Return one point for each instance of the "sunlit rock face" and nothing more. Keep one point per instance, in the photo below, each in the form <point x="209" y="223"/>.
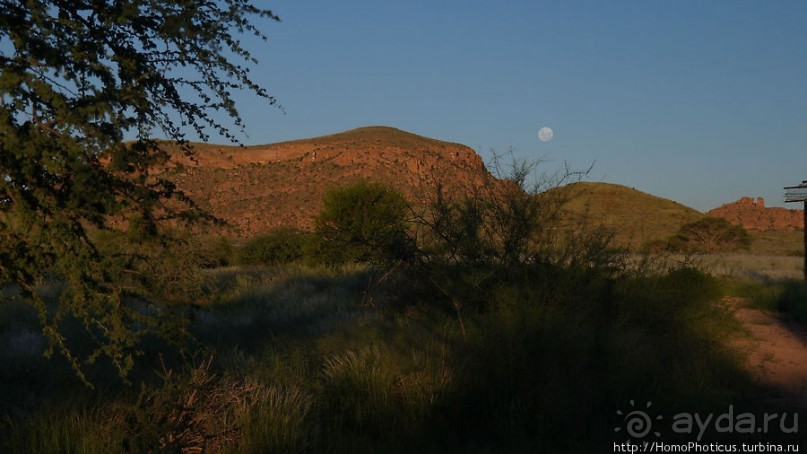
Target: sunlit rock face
<point x="753" y="215"/>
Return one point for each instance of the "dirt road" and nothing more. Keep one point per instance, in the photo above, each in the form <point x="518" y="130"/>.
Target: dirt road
<point x="777" y="352"/>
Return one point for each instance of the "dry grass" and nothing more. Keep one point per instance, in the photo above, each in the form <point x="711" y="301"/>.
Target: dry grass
<point x="762" y="267"/>
<point x="304" y="364"/>
<point x="790" y="243"/>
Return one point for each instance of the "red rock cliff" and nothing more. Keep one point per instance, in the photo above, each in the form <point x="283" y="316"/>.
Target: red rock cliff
<point x="753" y="215"/>
<point x="261" y="187"/>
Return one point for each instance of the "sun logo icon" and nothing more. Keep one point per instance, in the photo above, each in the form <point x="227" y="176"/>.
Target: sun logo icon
<point x="637" y="422"/>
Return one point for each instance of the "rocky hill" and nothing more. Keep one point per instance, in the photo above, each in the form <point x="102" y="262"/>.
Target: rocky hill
<point x="752" y="214"/>
<point x="257" y="188"/>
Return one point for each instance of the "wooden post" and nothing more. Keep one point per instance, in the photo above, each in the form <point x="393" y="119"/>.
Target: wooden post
<point x="799" y="194"/>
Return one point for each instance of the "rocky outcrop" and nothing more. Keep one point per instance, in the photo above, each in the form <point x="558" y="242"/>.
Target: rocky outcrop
<point x="753" y="215"/>
<point x="258" y="188"/>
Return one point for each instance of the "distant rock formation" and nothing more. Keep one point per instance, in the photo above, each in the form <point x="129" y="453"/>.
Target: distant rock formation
<point x="753" y="215"/>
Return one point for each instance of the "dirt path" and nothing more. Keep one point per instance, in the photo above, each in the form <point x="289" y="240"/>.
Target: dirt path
<point x="777" y="352"/>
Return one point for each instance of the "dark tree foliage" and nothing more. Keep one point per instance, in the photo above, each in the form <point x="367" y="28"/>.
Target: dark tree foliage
<point x="364" y="222"/>
<point x="520" y="221"/>
<point x="710" y="235"/>
<point x="79" y="76"/>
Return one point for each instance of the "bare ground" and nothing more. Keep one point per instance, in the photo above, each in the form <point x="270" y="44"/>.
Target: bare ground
<point x="776" y="352"/>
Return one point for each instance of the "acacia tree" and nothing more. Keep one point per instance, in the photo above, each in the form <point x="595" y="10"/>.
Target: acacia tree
<point x="711" y="235"/>
<point x="77" y="78"/>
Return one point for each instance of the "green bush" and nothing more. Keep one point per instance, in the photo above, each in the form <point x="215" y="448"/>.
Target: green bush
<point x="279" y="246"/>
<point x="364" y="222"/>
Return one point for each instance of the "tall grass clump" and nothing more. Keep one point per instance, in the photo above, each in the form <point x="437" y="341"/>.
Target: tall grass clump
<point x="280" y="420"/>
<point x="362" y="387"/>
<point x="80" y="430"/>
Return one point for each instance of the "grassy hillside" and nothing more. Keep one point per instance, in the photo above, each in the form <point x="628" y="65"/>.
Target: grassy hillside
<point x="775" y="242"/>
<point x="635" y="216"/>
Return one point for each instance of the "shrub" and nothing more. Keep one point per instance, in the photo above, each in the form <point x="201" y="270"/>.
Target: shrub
<point x="214" y="252"/>
<point x="222" y="253"/>
<point x="787" y="296"/>
<point x="475" y="246"/>
<point x="519" y="221"/>
<point x="279" y="246"/>
<point x="364" y="222"/>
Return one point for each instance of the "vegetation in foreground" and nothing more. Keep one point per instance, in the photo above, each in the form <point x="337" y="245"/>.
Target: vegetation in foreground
<point x="495" y="333"/>
<point x="297" y="359"/>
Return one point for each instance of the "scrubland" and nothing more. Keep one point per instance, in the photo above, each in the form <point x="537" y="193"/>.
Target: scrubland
<point x="468" y="343"/>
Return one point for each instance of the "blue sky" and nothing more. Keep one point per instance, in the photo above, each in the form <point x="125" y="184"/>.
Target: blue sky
<point x="698" y="101"/>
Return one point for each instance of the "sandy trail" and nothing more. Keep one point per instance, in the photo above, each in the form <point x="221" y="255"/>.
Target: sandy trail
<point x="777" y="352"/>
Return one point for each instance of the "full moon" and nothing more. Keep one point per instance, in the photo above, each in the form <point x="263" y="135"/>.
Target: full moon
<point x="545" y="134"/>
